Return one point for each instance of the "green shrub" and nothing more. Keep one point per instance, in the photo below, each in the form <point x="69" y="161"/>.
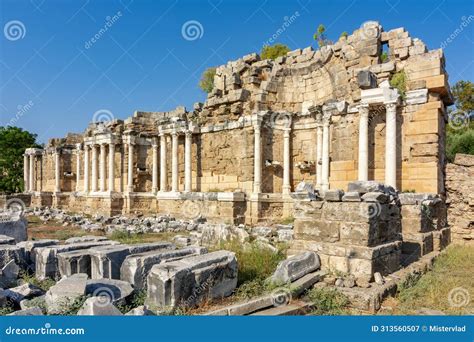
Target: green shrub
<point x="45" y="284"/>
<point x="398" y="81"/>
<point x="459" y="142"/>
<point x="207" y="80"/>
<point x="274" y="51"/>
<point x="328" y="301"/>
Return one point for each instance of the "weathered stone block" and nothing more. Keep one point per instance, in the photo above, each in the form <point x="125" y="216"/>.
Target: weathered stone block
<point x="190" y="280"/>
<point x="135" y="268"/>
<point x="46" y="257"/>
<point x="15" y="226"/>
<point x="295" y="267"/>
<point x="95" y="306"/>
<point x="107" y="260"/>
<point x="366" y="80"/>
<point x="61" y="295"/>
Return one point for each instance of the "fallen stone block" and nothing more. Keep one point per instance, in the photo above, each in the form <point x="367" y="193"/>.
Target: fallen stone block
<point x="107" y="260"/>
<point x="15" y="226"/>
<point x="61" y="295"/>
<point x="6" y="240"/>
<point x="216" y="233"/>
<point x="136" y="267"/>
<point x="46" y="257"/>
<point x="115" y="290"/>
<point x="73" y="262"/>
<point x="375" y="197"/>
<point x="3" y="298"/>
<point x="96" y="306"/>
<point x="25" y="291"/>
<point x="33" y="302"/>
<point x="295" y="267"/>
<point x="28" y="249"/>
<point x="333" y="195"/>
<point x="142" y="310"/>
<point x="86" y="238"/>
<point x="353" y="196"/>
<point x="9" y="274"/>
<point x="191" y="280"/>
<point x="363" y="187"/>
<point x="28" y="312"/>
<point x="10" y="252"/>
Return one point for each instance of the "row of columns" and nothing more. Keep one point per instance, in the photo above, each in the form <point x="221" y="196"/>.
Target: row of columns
<point x="98" y="165"/>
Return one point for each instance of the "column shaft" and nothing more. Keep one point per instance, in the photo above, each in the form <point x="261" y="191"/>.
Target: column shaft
<point x="286" y="162"/>
<point x="187" y="161"/>
<point x="94" y="168"/>
<point x="32" y="172"/>
<point x="163" y="171"/>
<point x="174" y="166"/>
<point x="26" y="175"/>
<point x="257" y="171"/>
<point x="57" y="186"/>
<point x="391" y="145"/>
<point x="325" y="158"/>
<point x="111" y="167"/>
<point x="78" y="168"/>
<point x="102" y="167"/>
<point x="86" y="168"/>
<point x="319" y="156"/>
<point x="130" y="168"/>
<point x="154" y="176"/>
<point x="363" y="142"/>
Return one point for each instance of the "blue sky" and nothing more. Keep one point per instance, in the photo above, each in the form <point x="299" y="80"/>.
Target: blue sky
<point x="53" y="78"/>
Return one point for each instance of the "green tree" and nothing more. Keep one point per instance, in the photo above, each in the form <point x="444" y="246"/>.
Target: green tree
<point x="13" y="142"/>
<point x="344" y="34"/>
<point x="207" y="80"/>
<point x="460" y="129"/>
<point x="463" y="93"/>
<point x="320" y="36"/>
<point x="274" y="51"/>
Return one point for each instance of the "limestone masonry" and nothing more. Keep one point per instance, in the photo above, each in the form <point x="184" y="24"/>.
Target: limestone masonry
<point x="326" y="117"/>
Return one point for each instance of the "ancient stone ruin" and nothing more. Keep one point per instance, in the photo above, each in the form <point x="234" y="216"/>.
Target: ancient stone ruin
<point x="322" y="137"/>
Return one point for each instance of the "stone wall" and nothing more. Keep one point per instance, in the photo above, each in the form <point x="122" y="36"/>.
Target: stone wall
<point x="459" y="189"/>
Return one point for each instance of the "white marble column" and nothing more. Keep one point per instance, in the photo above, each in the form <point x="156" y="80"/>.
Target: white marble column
<point x="325" y="152"/>
<point x="86" y="168"/>
<point x="26" y="175"/>
<point x="102" y="168"/>
<point x="174" y="161"/>
<point x="32" y="172"/>
<point x="363" y="142"/>
<point x="94" y="168"/>
<point x="257" y="170"/>
<point x="187" y="161"/>
<point x="111" y="167"/>
<point x="57" y="169"/>
<point x="391" y="144"/>
<point x="319" y="150"/>
<point x="286" y="188"/>
<point x="154" y="175"/>
<point x="130" y="168"/>
<point x="163" y="170"/>
<point x="78" y="166"/>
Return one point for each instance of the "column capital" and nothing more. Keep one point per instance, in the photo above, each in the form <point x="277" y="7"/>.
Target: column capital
<point x="154" y="142"/>
<point x="391" y="105"/>
<point x="78" y="146"/>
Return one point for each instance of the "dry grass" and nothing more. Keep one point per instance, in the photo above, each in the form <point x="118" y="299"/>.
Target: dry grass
<point x="447" y="284"/>
<point x="53" y="230"/>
